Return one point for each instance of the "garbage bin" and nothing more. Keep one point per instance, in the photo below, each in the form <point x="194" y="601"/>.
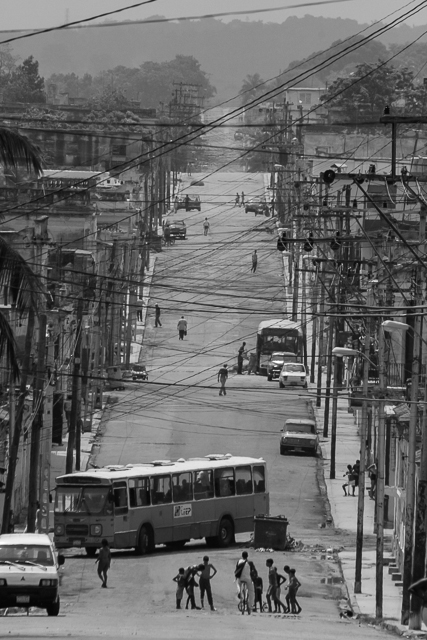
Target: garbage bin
<point x="270" y="532"/>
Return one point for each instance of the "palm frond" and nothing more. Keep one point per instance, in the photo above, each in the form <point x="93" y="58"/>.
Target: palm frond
<point x="8" y="346"/>
<point x="16" y="148"/>
<point x="19" y="285"/>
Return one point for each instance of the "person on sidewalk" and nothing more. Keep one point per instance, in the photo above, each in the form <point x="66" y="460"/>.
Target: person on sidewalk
<point x="356" y="473"/>
<point x="252" y="363"/>
<point x="206" y="226"/>
<point x="104" y="561"/>
<point x="157" y="322"/>
<point x="206" y="572"/>
<point x="254" y="261"/>
<point x="222" y="379"/>
<point x="372" y="469"/>
<point x="350" y="484"/>
<point x="240" y="356"/>
<point x="182" y="328"/>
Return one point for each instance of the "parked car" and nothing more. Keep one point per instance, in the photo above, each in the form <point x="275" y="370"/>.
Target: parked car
<point x="178" y="229"/>
<point x="276" y="361"/>
<point x="293" y="374"/>
<point x="299" y="436"/>
<point x="197" y="183"/>
<point x="257" y="205"/>
<point x="29" y="572"/>
<point x="139" y="372"/>
<point x="193" y="202"/>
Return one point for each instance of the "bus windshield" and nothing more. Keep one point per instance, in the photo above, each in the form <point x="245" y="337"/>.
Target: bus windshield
<point x="89" y="500"/>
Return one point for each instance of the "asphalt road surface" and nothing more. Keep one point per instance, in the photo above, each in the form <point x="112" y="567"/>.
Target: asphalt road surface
<point x="179" y="413"/>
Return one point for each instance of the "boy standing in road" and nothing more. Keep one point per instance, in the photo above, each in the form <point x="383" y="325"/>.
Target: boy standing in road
<point x="180" y="586"/>
<point x="104" y="562"/>
<point x="157" y="322"/>
<point x="240" y="355"/>
<point x="205" y="577"/>
<point x="206" y="226"/>
<point x="222" y="379"/>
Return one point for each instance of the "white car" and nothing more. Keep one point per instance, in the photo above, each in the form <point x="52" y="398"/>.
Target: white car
<point x="29" y="572"/>
<point x="299" y="436"/>
<point x="293" y="374"/>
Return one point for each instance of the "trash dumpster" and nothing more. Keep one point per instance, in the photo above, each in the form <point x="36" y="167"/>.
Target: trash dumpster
<point x="270" y="532"/>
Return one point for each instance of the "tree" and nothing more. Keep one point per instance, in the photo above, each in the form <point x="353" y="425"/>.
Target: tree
<point x="363" y="94"/>
<point x="253" y="87"/>
<point x="25" y="84"/>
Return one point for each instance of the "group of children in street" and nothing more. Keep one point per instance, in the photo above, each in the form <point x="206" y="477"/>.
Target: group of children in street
<point x="245" y="574"/>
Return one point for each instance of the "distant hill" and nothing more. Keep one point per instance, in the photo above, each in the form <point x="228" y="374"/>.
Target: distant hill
<point x="226" y="51"/>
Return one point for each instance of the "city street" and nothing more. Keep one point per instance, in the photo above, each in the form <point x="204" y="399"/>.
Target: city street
<point x="179" y="413"/>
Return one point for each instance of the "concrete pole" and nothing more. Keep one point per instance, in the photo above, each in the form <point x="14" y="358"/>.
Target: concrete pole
<point x="362" y="468"/>
<point x="380" y="478"/>
<point x="334" y="419"/>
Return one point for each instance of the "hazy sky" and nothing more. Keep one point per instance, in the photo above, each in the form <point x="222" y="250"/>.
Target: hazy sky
<point x="40" y="13"/>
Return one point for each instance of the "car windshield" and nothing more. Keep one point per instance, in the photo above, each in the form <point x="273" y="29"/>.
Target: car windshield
<point x="300" y="428"/>
<point x="26" y="554"/>
<point x="290" y="367"/>
<point x="93" y="500"/>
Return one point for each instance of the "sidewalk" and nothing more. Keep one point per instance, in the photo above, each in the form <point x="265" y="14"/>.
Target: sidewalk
<point x="344" y="516"/>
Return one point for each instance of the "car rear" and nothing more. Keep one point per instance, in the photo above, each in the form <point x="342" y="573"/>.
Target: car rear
<point x="293" y="375"/>
<point x="299" y="436"/>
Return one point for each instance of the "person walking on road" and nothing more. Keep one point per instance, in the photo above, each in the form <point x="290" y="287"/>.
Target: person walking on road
<point x="254" y="261"/>
<point x="190" y="583"/>
<point x="180" y="586"/>
<point x="182" y="328"/>
<point x="237" y="200"/>
<point x="244" y="574"/>
<point x="240" y="355"/>
<point x="104" y="561"/>
<point x="206" y="572"/>
<point x="157" y="322"/>
<point x="187" y="202"/>
<point x="222" y="379"/>
<point x="242" y="199"/>
<point x="206" y="226"/>
<point x="252" y="363"/>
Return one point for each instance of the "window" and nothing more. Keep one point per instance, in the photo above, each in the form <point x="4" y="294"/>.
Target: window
<point x="182" y="487"/>
<point x="139" y="492"/>
<point x="224" y="482"/>
<point x="203" y="485"/>
<point x="120" y="494"/>
<point x="243" y="481"/>
<point x="119" y="149"/>
<point x="161" y="490"/>
<point x="259" y="479"/>
<point x="305" y="98"/>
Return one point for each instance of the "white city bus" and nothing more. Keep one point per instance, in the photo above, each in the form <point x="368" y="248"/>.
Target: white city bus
<point x="162" y="502"/>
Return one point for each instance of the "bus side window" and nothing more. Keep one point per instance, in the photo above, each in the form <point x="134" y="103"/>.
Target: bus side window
<point x="182" y="486"/>
<point x="161" y="490"/>
<point x="259" y="479"/>
<point x="120" y="498"/>
<point x="224" y="482"/>
<point x="203" y="485"/>
<point x="139" y="492"/>
<point x="243" y="481"/>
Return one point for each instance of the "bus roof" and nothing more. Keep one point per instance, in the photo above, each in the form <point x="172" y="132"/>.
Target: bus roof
<point x="157" y="467"/>
<point x="278" y="323"/>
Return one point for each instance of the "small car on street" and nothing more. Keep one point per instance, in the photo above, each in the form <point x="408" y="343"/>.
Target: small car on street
<point x="190" y="203"/>
<point x="177" y="229"/>
<point x="139" y="373"/>
<point x="258" y="206"/>
<point x="299" y="436"/>
<point x="293" y="374"/>
<point x="276" y="361"/>
<point x="29" y="568"/>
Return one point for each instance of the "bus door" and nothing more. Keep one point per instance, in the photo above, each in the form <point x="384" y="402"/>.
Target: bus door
<point x="244" y="491"/>
<point x="121" y="514"/>
<point x="161" y="508"/>
<point x="183" y="517"/>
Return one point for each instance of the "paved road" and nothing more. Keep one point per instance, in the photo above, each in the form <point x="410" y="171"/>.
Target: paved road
<point x="180" y="414"/>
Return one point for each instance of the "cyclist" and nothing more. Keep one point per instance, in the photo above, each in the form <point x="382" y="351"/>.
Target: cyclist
<point x="245" y="573"/>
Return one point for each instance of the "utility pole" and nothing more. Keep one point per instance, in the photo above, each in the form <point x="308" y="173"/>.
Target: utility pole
<point x="74" y="432"/>
<point x="331" y="333"/>
<point x="363" y="431"/>
<point x="410" y="552"/>
<point x="380" y="478"/>
<point x="37" y="426"/>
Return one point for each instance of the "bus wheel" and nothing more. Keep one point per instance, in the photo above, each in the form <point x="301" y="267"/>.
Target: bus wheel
<point x="226" y="533"/>
<point x="91" y="551"/>
<point x="145" y="541"/>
